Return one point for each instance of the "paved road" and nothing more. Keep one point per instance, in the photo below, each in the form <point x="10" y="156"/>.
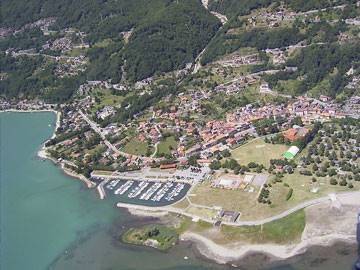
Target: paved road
<point x="98" y="130"/>
<point x="95" y="127"/>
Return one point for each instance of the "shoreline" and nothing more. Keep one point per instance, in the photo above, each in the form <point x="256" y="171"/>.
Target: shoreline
<point x="42" y="153"/>
<point x="340" y="228"/>
<point x="237" y="251"/>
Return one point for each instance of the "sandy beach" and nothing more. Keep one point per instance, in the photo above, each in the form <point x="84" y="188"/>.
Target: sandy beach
<point x="226" y="254"/>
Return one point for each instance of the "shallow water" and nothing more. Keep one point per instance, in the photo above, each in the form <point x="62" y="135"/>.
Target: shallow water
<point x="51" y="221"/>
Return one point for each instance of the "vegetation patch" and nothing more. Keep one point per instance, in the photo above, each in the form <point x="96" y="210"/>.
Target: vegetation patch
<point x="137" y="147"/>
<point x="282" y="231"/>
<point x="156" y="236"/>
<point x="165" y="147"/>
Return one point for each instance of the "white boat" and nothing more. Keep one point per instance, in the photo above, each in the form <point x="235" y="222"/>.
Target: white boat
<point x="137" y="190"/>
<point x="125" y="187"/>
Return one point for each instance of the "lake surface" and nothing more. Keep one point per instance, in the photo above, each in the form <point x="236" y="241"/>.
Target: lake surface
<point x="51" y="221"/>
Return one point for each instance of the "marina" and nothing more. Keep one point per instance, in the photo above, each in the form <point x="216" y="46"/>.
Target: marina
<point x="112" y="184"/>
<point x="161" y="193"/>
<point x="125" y="187"/>
<point x="175" y="192"/>
<point x="138" y="190"/>
<point x="150" y="193"/>
<point x="147" y="195"/>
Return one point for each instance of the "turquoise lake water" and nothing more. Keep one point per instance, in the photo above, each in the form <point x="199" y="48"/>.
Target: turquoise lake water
<point x="51" y="221"/>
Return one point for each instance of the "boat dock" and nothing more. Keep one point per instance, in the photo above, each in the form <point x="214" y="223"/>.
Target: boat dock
<point x="143" y="190"/>
<point x="138" y="190"/>
<point x="123" y="188"/>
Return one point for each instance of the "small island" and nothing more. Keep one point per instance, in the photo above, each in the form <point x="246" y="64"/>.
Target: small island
<point x="156" y="236"/>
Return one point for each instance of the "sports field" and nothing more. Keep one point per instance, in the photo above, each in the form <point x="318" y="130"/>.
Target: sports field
<point x="258" y="151"/>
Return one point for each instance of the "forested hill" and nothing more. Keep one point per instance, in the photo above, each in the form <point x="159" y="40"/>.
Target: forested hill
<point x="166" y="34"/>
<point x="140" y="48"/>
<point x="237" y="7"/>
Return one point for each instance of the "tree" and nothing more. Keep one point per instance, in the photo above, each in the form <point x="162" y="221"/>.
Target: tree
<point x="343" y="183"/>
<point x="332" y="172"/>
<point x="193" y="161"/>
<point x="333" y="182"/>
<point x="215" y="165"/>
<point x="253" y="165"/>
<point x="226" y="153"/>
<point x="297" y="121"/>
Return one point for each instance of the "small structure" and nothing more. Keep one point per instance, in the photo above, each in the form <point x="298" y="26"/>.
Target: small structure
<point x="291" y="153"/>
<point x="229" y="216"/>
<point x="295" y="133"/>
<point x="228" y="181"/>
<point x="264" y="87"/>
<point x="168" y="166"/>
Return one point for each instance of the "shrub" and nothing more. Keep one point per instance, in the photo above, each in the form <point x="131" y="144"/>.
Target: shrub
<point x="290" y="193"/>
<point x="343" y="183"/>
<point x="333" y="182"/>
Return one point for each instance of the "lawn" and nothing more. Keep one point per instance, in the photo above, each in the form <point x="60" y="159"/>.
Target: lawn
<point x="258" y="151"/>
<point x="136" y="147"/>
<point x="76" y="52"/>
<point x="246" y="203"/>
<point x="106" y="98"/>
<point x="164" y="147"/>
<point x="287" y="230"/>
<point x="283" y="231"/>
<point x="236" y="200"/>
<point x="203" y="212"/>
<point x="288" y="87"/>
<point x="303" y="185"/>
<point x="105" y="173"/>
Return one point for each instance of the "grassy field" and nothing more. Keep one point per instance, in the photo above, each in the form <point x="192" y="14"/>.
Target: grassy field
<point x="303" y="187"/>
<point x="203" y="212"/>
<point x="258" y="151"/>
<point x="247" y="204"/>
<point x="288" y="87"/>
<point x="183" y="204"/>
<point x="106" y="98"/>
<point x="136" y="147"/>
<point x="165" y="146"/>
<point x="283" y="231"/>
<point x="105" y="173"/>
<point x="236" y="200"/>
<point x="157" y="236"/>
<point x="186" y="224"/>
